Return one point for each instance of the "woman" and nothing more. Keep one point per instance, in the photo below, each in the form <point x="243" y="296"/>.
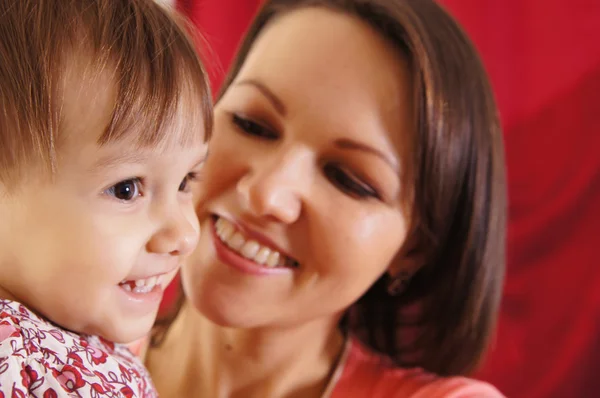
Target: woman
<point x="353" y="209"/>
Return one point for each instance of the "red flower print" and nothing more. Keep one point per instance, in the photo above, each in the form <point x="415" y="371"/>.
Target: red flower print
<point x="109" y="344"/>
<point x="96" y="356"/>
<point x="51" y="362"/>
<point x="18" y="393"/>
<point x="6" y="315"/>
<point x="28" y="376"/>
<point x="30" y="347"/>
<point x="7" y="330"/>
<point x="69" y="377"/>
<point x="125" y="373"/>
<point x="98" y="388"/>
<point x="127" y="392"/>
<point x="75" y="357"/>
<point x="49" y="393"/>
<point x="58" y="335"/>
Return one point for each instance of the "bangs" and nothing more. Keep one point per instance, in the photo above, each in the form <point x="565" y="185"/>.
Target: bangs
<point x="160" y="109"/>
<point x="159" y="79"/>
<point x="148" y="49"/>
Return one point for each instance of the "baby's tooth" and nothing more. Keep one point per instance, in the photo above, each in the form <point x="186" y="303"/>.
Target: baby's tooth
<point x="151" y="282"/>
<point x="140" y="282"/>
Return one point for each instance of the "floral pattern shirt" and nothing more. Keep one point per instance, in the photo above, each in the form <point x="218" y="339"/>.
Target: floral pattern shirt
<point x="39" y="359"/>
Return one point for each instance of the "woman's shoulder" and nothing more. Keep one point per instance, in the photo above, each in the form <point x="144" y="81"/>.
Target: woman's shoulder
<point x="366" y="373"/>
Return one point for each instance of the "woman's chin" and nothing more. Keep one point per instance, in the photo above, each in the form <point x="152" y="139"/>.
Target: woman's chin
<point x="227" y="316"/>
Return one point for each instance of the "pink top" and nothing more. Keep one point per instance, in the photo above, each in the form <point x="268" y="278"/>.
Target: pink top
<point x="39" y="359"/>
<point x="363" y="373"/>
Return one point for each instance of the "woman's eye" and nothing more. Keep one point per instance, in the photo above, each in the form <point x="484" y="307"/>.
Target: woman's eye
<point x="348" y="184"/>
<point x="252" y="128"/>
<point x="125" y="190"/>
<point x="184" y="186"/>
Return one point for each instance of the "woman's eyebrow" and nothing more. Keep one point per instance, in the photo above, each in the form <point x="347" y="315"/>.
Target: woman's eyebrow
<point x="345" y="143"/>
<point x="268" y="93"/>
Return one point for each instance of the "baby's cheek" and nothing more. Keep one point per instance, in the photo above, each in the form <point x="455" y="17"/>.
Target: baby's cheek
<point x="169" y="278"/>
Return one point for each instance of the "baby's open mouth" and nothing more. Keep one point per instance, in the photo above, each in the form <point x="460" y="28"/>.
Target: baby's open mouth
<point x="142" y="286"/>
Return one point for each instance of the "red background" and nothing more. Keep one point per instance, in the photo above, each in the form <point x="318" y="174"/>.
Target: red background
<point x="543" y="57"/>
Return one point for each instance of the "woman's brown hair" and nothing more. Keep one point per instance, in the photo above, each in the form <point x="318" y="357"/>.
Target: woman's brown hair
<point x="148" y="49"/>
<point x="443" y="320"/>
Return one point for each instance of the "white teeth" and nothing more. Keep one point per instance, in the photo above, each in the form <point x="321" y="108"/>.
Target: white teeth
<point x="224" y="229"/>
<point x="227" y="231"/>
<point x="152" y="281"/>
<point x="250" y="249"/>
<point x="273" y="259"/>
<point x="142" y="286"/>
<point x="219" y="225"/>
<point x="262" y="256"/>
<point x="236" y="241"/>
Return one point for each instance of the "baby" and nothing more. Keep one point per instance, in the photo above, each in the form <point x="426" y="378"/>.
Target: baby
<point x="104" y="116"/>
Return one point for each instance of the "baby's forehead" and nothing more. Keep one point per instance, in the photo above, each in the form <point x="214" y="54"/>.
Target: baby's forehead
<point x="116" y="154"/>
<point x="82" y="159"/>
<point x="94" y="107"/>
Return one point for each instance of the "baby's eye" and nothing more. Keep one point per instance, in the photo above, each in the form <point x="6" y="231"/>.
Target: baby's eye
<point x="125" y="190"/>
<point x="190" y="177"/>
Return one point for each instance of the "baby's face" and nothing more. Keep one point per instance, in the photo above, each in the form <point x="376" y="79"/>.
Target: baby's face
<point x="93" y="248"/>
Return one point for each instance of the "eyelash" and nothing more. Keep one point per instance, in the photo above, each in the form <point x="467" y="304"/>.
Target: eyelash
<point x="190" y="177"/>
<point x="348" y="184"/>
<point x="137" y="182"/>
<point x="334" y="173"/>
<point x="254" y="129"/>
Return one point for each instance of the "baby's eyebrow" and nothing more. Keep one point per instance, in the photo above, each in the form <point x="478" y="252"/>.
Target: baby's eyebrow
<point x="117" y="159"/>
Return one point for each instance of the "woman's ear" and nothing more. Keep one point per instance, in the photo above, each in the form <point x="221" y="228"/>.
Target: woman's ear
<point x="408" y="262"/>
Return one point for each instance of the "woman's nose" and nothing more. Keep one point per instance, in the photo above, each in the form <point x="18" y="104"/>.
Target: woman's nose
<point x="276" y="188"/>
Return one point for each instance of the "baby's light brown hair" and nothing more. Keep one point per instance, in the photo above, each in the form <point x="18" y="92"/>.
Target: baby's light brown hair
<point x="149" y="50"/>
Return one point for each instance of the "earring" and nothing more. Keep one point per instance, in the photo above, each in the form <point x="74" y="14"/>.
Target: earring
<point x="399" y="283"/>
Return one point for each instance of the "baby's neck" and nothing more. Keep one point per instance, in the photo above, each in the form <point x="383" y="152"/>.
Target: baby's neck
<point x="6" y="295"/>
<point x="247" y="363"/>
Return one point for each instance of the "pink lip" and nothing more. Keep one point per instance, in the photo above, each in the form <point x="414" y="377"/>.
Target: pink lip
<point x="141" y="304"/>
<point x="229" y="257"/>
<point x="156" y="291"/>
<point x="152" y="275"/>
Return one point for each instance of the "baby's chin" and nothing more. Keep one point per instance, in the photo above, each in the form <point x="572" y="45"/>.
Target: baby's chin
<point x="123" y="331"/>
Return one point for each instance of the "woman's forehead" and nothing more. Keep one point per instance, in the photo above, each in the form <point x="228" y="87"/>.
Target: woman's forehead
<point x="323" y="44"/>
<point x="334" y="69"/>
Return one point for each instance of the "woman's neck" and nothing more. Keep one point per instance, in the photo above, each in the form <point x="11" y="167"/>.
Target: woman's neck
<point x="200" y="358"/>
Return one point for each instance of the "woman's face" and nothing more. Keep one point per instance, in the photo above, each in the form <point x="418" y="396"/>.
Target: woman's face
<point x="301" y="203"/>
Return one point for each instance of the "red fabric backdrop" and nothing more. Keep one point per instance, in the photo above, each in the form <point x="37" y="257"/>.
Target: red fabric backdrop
<point x="544" y="60"/>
